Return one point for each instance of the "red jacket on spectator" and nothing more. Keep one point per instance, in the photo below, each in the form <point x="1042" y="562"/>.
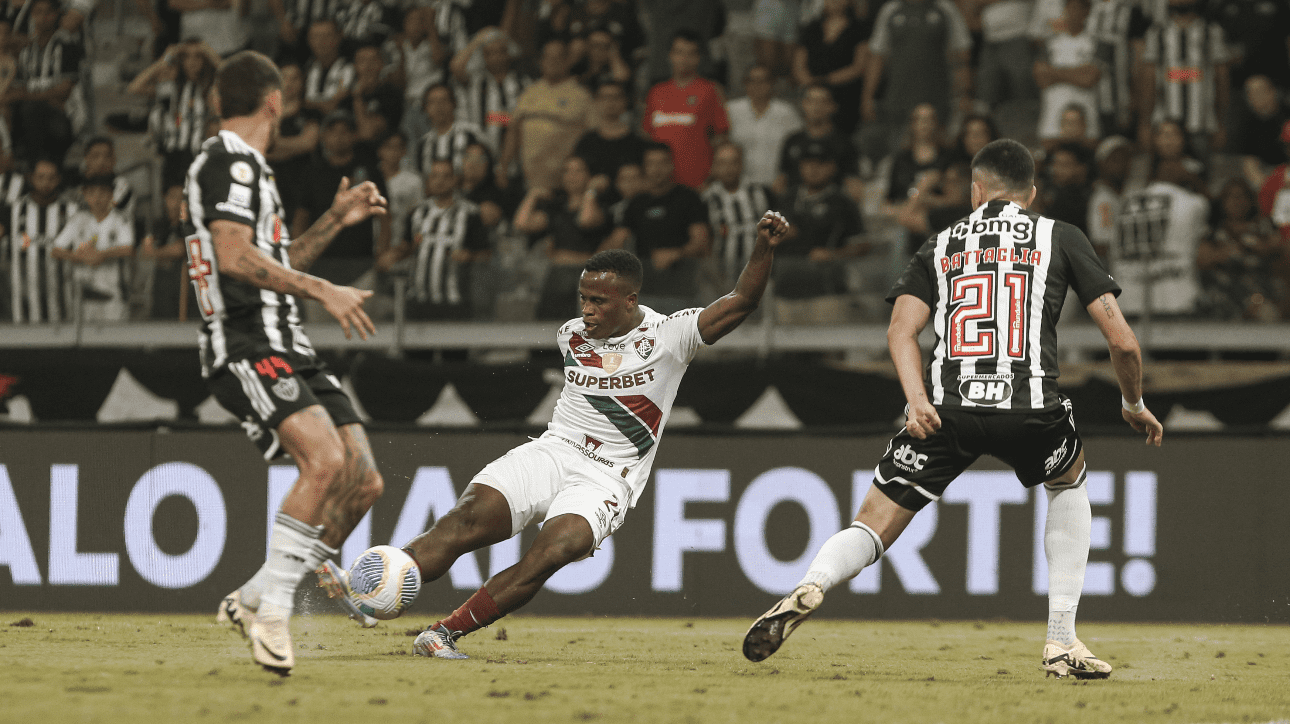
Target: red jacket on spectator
<point x="1274" y="200"/>
<point x="683" y="118"/>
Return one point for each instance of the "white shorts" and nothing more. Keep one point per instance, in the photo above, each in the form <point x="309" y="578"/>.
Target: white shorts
<point x="547" y="477"/>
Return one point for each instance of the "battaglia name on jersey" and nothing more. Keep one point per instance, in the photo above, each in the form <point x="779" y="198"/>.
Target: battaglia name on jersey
<point x="990" y="255"/>
<point x="620" y="382"/>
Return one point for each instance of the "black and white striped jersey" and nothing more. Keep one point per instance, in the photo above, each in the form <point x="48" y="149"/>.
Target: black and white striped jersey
<point x="177" y="120"/>
<point x="734" y="216"/>
<point x="487" y="103"/>
<point x="38" y="283"/>
<point x="450" y="145"/>
<point x="231" y="181"/>
<point x="1116" y="24"/>
<point x="995" y="282"/>
<point x="1186" y="60"/>
<point x="324" y="84"/>
<point x="438" y="232"/>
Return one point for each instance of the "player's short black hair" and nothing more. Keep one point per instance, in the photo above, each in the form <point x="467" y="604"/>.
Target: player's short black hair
<point x="620" y="262"/>
<point x="688" y="36"/>
<point x="1009" y="161"/>
<point x="243" y="81"/>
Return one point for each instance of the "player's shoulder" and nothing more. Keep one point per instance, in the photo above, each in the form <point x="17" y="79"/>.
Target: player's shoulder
<point x="228" y="155"/>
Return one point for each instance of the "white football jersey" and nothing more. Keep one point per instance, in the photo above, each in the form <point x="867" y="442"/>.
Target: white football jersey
<point x="618" y="392"/>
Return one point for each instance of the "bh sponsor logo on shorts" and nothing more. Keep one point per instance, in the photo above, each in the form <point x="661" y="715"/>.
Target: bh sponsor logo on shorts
<point x="906" y="459"/>
<point x="988" y="390"/>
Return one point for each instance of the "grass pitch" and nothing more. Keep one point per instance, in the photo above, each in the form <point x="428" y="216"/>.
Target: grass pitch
<point x="145" y="669"/>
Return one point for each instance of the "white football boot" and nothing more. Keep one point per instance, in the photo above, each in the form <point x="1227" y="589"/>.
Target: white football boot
<point x="770" y="631"/>
<point x="439" y="643"/>
<point x="270" y="635"/>
<point x="234" y="614"/>
<point x="335" y="581"/>
<point x="1074" y="660"/>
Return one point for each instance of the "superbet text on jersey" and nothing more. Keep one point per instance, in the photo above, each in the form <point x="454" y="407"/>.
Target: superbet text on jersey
<point x="618" y="392"/>
<point x="995" y="282"/>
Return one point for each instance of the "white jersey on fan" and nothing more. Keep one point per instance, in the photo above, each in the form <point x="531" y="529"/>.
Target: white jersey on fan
<point x="618" y="392"/>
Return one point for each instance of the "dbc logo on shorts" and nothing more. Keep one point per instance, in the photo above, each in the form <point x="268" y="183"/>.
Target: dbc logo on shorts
<point x="906" y="458"/>
<point x="985" y="392"/>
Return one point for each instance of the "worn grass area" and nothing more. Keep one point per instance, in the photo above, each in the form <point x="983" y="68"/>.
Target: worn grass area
<point x="151" y="668"/>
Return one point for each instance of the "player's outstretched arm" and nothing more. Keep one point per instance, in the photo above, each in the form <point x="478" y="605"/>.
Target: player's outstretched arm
<point x="240" y="259"/>
<point x="722" y="316"/>
<point x="908" y="317"/>
<point x="1126" y="358"/>
<point x="350" y="206"/>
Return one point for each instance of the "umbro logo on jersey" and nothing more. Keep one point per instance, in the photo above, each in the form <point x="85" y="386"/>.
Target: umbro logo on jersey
<point x="287" y="388"/>
<point x="907" y="459"/>
<point x="645" y="347"/>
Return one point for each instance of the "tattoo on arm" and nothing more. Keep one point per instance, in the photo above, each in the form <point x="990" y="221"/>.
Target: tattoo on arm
<point x="1110" y="313"/>
<point x="311" y="244"/>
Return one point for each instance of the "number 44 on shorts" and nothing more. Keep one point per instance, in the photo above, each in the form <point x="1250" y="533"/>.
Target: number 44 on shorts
<point x="271" y="367"/>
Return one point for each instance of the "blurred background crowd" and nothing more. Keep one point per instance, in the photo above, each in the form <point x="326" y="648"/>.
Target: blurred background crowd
<point x="514" y="138"/>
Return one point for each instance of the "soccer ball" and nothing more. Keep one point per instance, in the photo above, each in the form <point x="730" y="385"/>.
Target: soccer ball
<point x="385" y="581"/>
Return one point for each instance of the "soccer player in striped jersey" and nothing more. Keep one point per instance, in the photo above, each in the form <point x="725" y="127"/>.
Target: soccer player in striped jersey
<point x="248" y="273"/>
<point x="623" y="363"/>
<point x="992" y="285"/>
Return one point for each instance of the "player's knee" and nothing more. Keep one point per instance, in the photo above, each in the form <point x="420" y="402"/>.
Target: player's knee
<point x="326" y="463"/>
<point x="373" y="485"/>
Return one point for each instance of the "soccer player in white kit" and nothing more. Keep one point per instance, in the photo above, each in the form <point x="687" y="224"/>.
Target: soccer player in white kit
<point x="623" y="363"/>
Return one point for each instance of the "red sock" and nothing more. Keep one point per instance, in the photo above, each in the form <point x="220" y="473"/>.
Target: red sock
<point x="473" y="615"/>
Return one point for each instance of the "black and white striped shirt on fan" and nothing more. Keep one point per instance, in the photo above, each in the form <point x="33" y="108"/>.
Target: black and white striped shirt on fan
<point x="38" y="283"/>
<point x="1185" y="60"/>
<point x="438" y="232"/>
<point x="995" y="282"/>
<point x="231" y="181"/>
<point x="178" y="116"/>
<point x="450" y="145"/>
<point x="486" y="103"/>
<point x="734" y="216"/>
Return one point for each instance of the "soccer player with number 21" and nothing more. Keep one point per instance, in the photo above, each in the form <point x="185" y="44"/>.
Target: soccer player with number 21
<point x="992" y="285"/>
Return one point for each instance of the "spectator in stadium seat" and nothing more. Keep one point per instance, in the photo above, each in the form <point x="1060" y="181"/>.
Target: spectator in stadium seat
<point x="447" y="235"/>
<point x="377" y="104"/>
<point x="612" y="143"/>
<point x="699" y="20"/>
<point x="1160" y="229"/>
<point x="735" y="205"/>
<point x="37" y="286"/>
<point x="1003" y="70"/>
<point x="328" y="75"/>
<point x="775" y="30"/>
<point x="1170" y="143"/>
<point x="488" y="91"/>
<point x="571" y="225"/>
<point x="164" y="292"/>
<point x="178" y="84"/>
<point x="832" y="51"/>
<point x="294" y="18"/>
<point x="934" y="209"/>
<point x="1187" y="60"/>
<point x="975" y="131"/>
<point x="299" y="132"/>
<point x="1257" y="31"/>
<point x="550" y="117"/>
<point x="364" y="22"/>
<point x="920" y="48"/>
<point x="817" y="115"/>
<point x="1238" y="259"/>
<point x="603" y="63"/>
<point x="687" y="113"/>
<point x="1065" y="195"/>
<point x="760" y="123"/>
<point x="1072" y="129"/>
<point x="1120" y="27"/>
<point x="350" y="254"/>
<point x="1257" y="139"/>
<point x="46" y="99"/>
<point x="917" y="166"/>
<point x="617" y="18"/>
<point x="479" y="186"/>
<point x="448" y="137"/>
<point x="1067" y="73"/>
<point x="669" y="224"/>
<point x="221" y="23"/>
<point x="403" y="189"/>
<point x="1274" y="196"/>
<point x="810" y="280"/>
<point x="96" y="242"/>
<point x="629" y="183"/>
<point x="419" y="59"/>
<point x="100" y="160"/>
<point x="1113" y="158"/>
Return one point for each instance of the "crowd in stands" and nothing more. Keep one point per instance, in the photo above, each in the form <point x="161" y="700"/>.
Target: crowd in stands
<point x="514" y="138"/>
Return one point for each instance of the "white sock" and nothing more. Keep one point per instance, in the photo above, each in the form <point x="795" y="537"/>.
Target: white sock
<point x="844" y="555"/>
<point x="1066" y="540"/>
<point x="294" y="551"/>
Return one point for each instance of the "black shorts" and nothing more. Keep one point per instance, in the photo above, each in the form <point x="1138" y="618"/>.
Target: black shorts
<point x="262" y="393"/>
<point x="1039" y="446"/>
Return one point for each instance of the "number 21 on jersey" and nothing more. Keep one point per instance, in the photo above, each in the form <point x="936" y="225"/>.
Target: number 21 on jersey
<point x="975" y="309"/>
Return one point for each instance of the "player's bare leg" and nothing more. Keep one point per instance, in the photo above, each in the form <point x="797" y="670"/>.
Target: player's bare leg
<point x="480" y="518"/>
<point x="347" y="502"/>
<point x="877" y="525"/>
<point x="563" y="540"/>
<point x="1066" y="541"/>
